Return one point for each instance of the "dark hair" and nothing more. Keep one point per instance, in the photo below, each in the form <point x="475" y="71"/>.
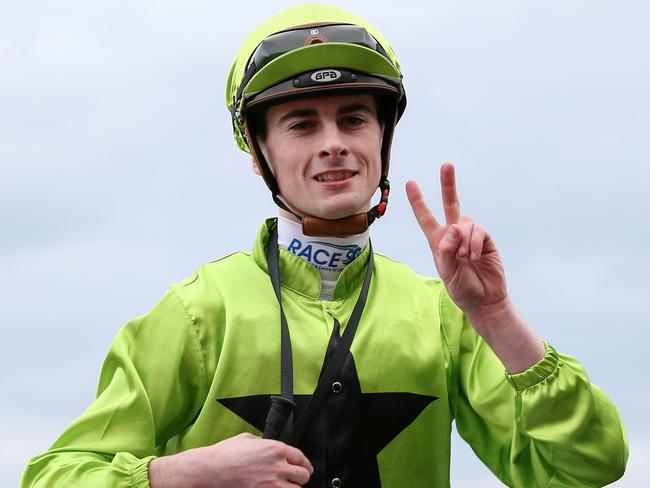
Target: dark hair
<point x="256" y="122"/>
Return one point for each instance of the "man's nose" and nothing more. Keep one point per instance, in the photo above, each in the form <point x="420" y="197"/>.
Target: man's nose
<point x="333" y="144"/>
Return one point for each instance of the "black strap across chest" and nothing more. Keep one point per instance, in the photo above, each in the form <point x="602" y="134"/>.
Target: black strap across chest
<point x="279" y="422"/>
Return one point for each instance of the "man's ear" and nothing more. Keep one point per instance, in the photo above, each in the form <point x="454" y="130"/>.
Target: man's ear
<point x="256" y="167"/>
<point x="254" y="162"/>
<point x="265" y="154"/>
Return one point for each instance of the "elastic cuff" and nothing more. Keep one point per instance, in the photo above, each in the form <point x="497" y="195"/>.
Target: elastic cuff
<point x="140" y="472"/>
<point x="537" y="372"/>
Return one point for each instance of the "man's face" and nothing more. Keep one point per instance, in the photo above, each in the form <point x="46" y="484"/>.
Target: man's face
<point x="325" y="153"/>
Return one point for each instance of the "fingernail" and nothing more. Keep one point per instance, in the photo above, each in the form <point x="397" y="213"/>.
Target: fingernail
<point x="453" y="232"/>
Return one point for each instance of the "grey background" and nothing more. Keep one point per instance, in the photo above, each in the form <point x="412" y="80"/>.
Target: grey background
<point x="119" y="176"/>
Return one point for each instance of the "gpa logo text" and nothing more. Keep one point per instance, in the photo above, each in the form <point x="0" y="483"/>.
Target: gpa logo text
<point x="325" y="75"/>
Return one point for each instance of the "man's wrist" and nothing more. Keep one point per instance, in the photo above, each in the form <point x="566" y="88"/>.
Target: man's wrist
<point x="486" y="317"/>
<point x="508" y="335"/>
<point x="157" y="475"/>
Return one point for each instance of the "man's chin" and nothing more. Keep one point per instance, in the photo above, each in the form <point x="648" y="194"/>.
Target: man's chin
<point x="341" y="212"/>
<point x="333" y="208"/>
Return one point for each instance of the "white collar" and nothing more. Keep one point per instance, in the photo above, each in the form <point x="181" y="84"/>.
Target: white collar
<point x="330" y="255"/>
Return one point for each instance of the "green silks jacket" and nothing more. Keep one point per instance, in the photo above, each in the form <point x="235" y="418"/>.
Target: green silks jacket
<point x="199" y="368"/>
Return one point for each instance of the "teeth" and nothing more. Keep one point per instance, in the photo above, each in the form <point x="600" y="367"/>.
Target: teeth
<point x="334" y="176"/>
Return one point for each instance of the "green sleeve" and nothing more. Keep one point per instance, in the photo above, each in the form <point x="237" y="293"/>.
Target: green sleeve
<point x="152" y="385"/>
<point x="545" y="427"/>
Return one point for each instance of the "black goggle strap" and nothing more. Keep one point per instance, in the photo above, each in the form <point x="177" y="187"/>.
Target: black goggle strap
<point x="279" y="421"/>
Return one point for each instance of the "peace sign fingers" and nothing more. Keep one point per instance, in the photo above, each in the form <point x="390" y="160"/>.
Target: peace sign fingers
<point x="432" y="230"/>
<point x="428" y="223"/>
<point x="450" y="202"/>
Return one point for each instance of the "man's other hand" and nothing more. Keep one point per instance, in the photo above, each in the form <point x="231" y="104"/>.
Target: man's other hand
<point x="245" y="461"/>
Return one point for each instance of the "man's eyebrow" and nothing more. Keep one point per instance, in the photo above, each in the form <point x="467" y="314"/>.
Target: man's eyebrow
<point x="299" y="112"/>
<point x="310" y="112"/>
<point x="355" y="107"/>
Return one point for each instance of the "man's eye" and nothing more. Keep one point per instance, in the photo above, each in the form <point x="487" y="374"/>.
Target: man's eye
<point x="301" y="125"/>
<point x="353" y="120"/>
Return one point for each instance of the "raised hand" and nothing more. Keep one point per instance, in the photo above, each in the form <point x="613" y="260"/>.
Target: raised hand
<point x="469" y="265"/>
<point x="465" y="255"/>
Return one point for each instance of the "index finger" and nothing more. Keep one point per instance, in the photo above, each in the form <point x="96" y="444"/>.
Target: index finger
<point x="423" y="215"/>
<point x="450" y="202"/>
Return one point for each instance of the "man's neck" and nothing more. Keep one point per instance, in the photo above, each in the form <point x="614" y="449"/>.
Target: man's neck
<point x="330" y="255"/>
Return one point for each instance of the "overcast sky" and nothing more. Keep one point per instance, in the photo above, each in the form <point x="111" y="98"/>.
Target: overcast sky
<point x="119" y="176"/>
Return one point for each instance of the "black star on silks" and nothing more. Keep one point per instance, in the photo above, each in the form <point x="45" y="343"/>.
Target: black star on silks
<point x="348" y="432"/>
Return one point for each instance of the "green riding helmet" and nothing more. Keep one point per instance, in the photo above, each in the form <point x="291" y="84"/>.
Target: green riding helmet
<point x="309" y="50"/>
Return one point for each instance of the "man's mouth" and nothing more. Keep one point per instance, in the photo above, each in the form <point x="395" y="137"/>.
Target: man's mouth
<point x="334" y="175"/>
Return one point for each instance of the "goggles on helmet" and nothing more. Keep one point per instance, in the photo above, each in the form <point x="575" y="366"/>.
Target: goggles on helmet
<point x="331" y="37"/>
<point x="288" y="40"/>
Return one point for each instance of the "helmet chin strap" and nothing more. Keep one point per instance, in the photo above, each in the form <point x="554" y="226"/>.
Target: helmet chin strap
<point x="346" y="226"/>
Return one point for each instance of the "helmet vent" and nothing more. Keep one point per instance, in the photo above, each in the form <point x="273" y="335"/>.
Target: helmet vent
<point x="315" y="39"/>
